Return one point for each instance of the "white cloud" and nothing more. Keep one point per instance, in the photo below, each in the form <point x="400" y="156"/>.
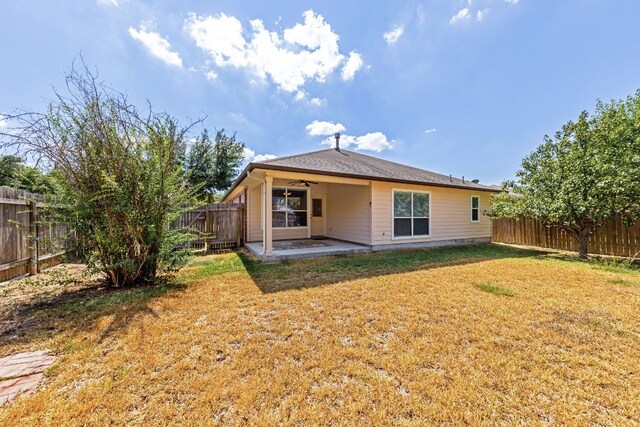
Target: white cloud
<point x="392" y="36"/>
<point x="3" y="122"/>
<point x="353" y="64"/>
<point x="318" y="101"/>
<point x="248" y="153"/>
<point x="219" y="36"/>
<point x="157" y="45"/>
<point x="263" y="157"/>
<point x="462" y="16"/>
<point x="432" y="130"/>
<point x="512" y="1"/>
<point x="211" y="75"/>
<point x="373" y="141"/>
<point x="250" y="156"/>
<point x="481" y="14"/>
<point x="301" y="96"/>
<point x="319" y="128"/>
<point x="307" y="51"/>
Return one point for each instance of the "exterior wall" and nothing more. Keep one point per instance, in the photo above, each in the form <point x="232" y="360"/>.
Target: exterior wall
<point x="254" y="213"/>
<point x="363" y="214"/>
<point x="449" y="222"/>
<point x="254" y="219"/>
<point x="349" y="213"/>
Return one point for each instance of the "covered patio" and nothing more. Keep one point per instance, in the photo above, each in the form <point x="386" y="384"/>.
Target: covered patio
<point x="293" y="215"/>
<point x="305" y="248"/>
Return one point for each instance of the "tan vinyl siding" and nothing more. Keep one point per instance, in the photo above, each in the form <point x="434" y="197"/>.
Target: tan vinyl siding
<point x="348" y="213"/>
<point x="450" y="216"/>
<point x="254" y="206"/>
<point x="254" y="219"/>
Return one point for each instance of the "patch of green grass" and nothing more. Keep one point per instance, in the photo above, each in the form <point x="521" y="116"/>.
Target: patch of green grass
<point x="216" y="266"/>
<point x="495" y="289"/>
<point x="118" y="297"/>
<point x="613" y="265"/>
<point x="610" y="265"/>
<point x="620" y="281"/>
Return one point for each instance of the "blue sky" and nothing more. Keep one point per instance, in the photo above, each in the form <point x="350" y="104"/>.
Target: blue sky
<point x="462" y="87"/>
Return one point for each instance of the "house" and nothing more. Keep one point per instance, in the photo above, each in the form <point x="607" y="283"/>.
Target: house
<point x="360" y="202"/>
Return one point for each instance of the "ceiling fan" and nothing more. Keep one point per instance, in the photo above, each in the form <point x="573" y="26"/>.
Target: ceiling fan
<point x="303" y="182"/>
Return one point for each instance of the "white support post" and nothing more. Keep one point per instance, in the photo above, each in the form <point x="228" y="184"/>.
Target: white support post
<point x="309" y="210"/>
<point x="267" y="234"/>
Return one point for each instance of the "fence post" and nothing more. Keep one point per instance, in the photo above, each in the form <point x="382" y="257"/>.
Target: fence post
<point x="206" y="228"/>
<point x="239" y="216"/>
<point x="33" y="231"/>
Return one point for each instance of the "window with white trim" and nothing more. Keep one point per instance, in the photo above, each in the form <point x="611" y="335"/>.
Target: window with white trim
<point x="411" y="213"/>
<point x="289" y="208"/>
<point x="475" y="209"/>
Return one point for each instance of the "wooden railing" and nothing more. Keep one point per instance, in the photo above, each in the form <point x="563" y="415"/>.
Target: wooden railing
<point x="613" y="238"/>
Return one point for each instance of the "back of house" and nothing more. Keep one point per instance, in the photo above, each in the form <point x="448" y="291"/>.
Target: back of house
<point x="352" y="197"/>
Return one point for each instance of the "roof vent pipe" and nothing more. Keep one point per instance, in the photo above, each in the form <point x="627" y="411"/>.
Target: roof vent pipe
<point x="337" y="141"/>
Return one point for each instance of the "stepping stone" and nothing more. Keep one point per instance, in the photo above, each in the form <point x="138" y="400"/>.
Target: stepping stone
<point x="21" y="373"/>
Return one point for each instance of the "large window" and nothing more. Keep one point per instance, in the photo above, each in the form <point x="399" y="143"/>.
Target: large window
<point x="475" y="208"/>
<point x="411" y="213"/>
<point x="289" y="208"/>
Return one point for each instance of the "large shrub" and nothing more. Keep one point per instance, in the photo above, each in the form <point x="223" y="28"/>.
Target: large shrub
<point x="121" y="179"/>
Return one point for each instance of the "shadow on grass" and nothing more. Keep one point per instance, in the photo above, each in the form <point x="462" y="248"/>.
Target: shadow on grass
<point x="605" y="263"/>
<point x="301" y="274"/>
<point x="37" y="319"/>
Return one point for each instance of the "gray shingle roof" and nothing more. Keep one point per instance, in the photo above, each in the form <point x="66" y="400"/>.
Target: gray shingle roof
<point x="356" y="165"/>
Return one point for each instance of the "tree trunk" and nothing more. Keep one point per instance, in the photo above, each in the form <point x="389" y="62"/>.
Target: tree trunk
<point x="583" y="246"/>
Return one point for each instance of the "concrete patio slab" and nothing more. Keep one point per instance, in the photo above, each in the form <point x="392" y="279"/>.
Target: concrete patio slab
<point x="305" y="248"/>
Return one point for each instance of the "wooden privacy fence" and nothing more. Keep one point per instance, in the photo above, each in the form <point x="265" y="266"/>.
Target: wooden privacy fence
<point x="613" y="238"/>
<point x="217" y="225"/>
<point x="28" y="242"/>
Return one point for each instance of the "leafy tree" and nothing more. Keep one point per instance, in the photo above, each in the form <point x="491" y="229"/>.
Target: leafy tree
<point x="212" y="166"/>
<point x="588" y="173"/>
<point x="14" y="173"/>
<point x="9" y="168"/>
<point x="229" y="154"/>
<point x="121" y="181"/>
<point x="200" y="166"/>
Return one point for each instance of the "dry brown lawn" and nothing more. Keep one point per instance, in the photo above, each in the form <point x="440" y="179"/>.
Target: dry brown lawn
<point x="476" y="335"/>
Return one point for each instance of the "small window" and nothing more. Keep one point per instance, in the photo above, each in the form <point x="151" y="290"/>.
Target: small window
<point x="289" y="208"/>
<point x="317" y="208"/>
<point x="475" y="208"/>
<point x="410" y="213"/>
